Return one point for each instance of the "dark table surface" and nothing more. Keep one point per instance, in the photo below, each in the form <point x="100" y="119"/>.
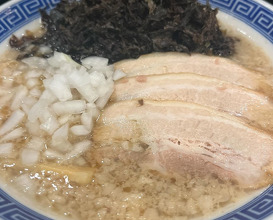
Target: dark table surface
<point x="3" y="1"/>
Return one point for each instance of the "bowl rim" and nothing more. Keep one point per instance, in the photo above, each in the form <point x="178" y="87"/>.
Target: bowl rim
<point x="240" y="212"/>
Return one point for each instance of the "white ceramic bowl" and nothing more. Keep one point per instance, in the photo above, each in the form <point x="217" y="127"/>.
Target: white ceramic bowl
<point x="250" y="17"/>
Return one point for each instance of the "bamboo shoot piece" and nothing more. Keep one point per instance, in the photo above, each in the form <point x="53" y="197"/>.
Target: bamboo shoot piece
<point x="80" y="175"/>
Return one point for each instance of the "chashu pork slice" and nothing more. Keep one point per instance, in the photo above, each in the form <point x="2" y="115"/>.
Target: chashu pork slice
<point x="218" y="67"/>
<point x="186" y="137"/>
<point x="255" y="107"/>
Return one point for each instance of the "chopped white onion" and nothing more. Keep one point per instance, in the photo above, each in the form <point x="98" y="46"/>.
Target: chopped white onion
<point x="60" y="135"/>
<point x="64" y="118"/>
<point x="93" y="110"/>
<point x="36" y="143"/>
<point x="47" y="74"/>
<point x="87" y="120"/>
<point x="69" y="107"/>
<point x="29" y="156"/>
<point x="79" y="130"/>
<point x="14" y="120"/>
<point x="28" y="102"/>
<point x="62" y="146"/>
<point x="17" y="73"/>
<point x="48" y="97"/>
<point x="81" y="81"/>
<point x="32" y="82"/>
<point x="72" y="94"/>
<point x="35" y="92"/>
<point x="36" y="62"/>
<point x="45" y="50"/>
<point x="52" y="154"/>
<point x="36" y="110"/>
<point x="33" y="73"/>
<point x="97" y="78"/>
<point x="45" y="100"/>
<point x="105" y="87"/>
<point x="79" y="148"/>
<point x="108" y="71"/>
<point x="20" y="94"/>
<point x="101" y="102"/>
<point x="60" y="88"/>
<point x="25" y="108"/>
<point x="6" y="149"/>
<point x="34" y="128"/>
<point x="93" y="62"/>
<point x="16" y="133"/>
<point x="50" y="125"/>
<point x="60" y="58"/>
<point x="118" y="74"/>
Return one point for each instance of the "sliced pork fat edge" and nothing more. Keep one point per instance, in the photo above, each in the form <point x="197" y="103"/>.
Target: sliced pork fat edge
<point x="218" y="67"/>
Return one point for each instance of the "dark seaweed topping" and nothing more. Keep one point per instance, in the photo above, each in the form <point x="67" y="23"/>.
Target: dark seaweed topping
<point x="119" y="29"/>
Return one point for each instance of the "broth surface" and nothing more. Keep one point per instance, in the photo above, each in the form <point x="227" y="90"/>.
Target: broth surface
<point x="119" y="190"/>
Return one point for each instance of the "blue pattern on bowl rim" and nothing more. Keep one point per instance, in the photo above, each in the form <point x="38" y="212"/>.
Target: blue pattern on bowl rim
<point x="250" y="12"/>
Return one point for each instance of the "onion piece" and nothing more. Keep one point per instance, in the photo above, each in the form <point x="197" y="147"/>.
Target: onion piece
<point x="72" y="94"/>
<point x="34" y="128"/>
<point x="36" y="62"/>
<point x="93" y="110"/>
<point x="16" y="133"/>
<point x="15" y="119"/>
<point x="45" y="100"/>
<point x="60" y="134"/>
<point x="64" y="118"/>
<point x="69" y="107"/>
<point x="118" y="74"/>
<point x="93" y="62"/>
<point x="28" y="102"/>
<point x="6" y="149"/>
<point x="108" y="71"/>
<point x="52" y="154"/>
<point x="87" y="120"/>
<point x="36" y="110"/>
<point x="36" y="143"/>
<point x="60" y="88"/>
<point x="102" y="101"/>
<point x="44" y="50"/>
<point x="29" y="156"/>
<point x="58" y="58"/>
<point x="35" y="92"/>
<point x="63" y="146"/>
<point x="20" y="94"/>
<point x="97" y="78"/>
<point x="50" y="125"/>
<point x="32" y="82"/>
<point x="81" y="81"/>
<point x="79" y="148"/>
<point x="79" y="130"/>
<point x="35" y="73"/>
<point x="48" y="97"/>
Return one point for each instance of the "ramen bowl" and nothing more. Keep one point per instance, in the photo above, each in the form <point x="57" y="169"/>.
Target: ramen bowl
<point x="254" y="19"/>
